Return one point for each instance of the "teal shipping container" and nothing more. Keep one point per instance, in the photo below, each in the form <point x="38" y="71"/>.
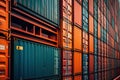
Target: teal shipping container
<point x="47" y="10"/>
<point x="34" y="61"/>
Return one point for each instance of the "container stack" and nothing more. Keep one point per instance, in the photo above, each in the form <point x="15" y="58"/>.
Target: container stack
<point x="59" y="39"/>
<point x="4" y="39"/>
<point x="34" y="40"/>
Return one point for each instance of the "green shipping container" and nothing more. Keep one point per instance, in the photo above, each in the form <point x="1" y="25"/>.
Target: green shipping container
<point x="47" y="10"/>
<point x="34" y="61"/>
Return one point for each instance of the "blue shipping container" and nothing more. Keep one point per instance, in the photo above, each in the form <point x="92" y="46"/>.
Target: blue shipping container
<point x="85" y="64"/>
<point x="34" y="60"/>
<point x="47" y="10"/>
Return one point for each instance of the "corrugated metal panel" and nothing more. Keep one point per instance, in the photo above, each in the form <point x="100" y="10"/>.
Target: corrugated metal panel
<point x="91" y="6"/>
<point x="95" y="76"/>
<point x="3" y="59"/>
<point x="91" y="63"/>
<point x="77" y="13"/>
<point x="67" y="62"/>
<point x="91" y="76"/>
<point x="91" y="44"/>
<point x="3" y="15"/>
<point x="68" y="78"/>
<point x="77" y="63"/>
<point x="4" y="40"/>
<point x="34" y="61"/>
<point x="77" y="38"/>
<point x="85" y="77"/>
<point x="47" y="10"/>
<point x="79" y="77"/>
<point x="91" y="25"/>
<point x="67" y="35"/>
<point x="85" y="42"/>
<point x="85" y="63"/>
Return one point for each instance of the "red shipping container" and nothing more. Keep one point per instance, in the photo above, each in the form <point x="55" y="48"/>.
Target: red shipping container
<point x="67" y="62"/>
<point x="91" y="63"/>
<point x="91" y="6"/>
<point x="91" y="76"/>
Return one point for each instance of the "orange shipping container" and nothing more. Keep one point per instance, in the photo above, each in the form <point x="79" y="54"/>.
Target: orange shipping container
<point x="78" y="77"/>
<point x="4" y="14"/>
<point x="85" y="42"/>
<point x="91" y="24"/>
<point x="77" y="62"/>
<point x="67" y="78"/>
<point x="99" y="17"/>
<point x="67" y="9"/>
<point x="3" y="42"/>
<point x="91" y="43"/>
<point x="99" y="30"/>
<point x="3" y="59"/>
<point x="67" y="35"/>
<point x="77" y="13"/>
<point x="77" y="38"/>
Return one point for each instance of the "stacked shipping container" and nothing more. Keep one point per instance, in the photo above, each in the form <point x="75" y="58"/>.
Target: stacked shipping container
<point x="4" y="39"/>
<point x="59" y="39"/>
<point x="93" y="48"/>
<point x="34" y="40"/>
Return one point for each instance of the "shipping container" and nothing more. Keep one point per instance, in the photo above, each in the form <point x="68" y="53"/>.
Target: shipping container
<point x="68" y="78"/>
<point x="91" y="45"/>
<point x="85" y="63"/>
<point x="91" y="63"/>
<point x="95" y="76"/>
<point x="77" y="38"/>
<point x="77" y="63"/>
<point x="4" y="40"/>
<point x="79" y="77"/>
<point x="91" y="76"/>
<point x="4" y="15"/>
<point x="67" y="35"/>
<point x="85" y="42"/>
<point x="47" y="10"/>
<point x="3" y="59"/>
<point x="95" y="63"/>
<point x="67" y="63"/>
<point x="34" y="61"/>
<point x="91" y="25"/>
<point x="85" y="77"/>
<point x="59" y="39"/>
<point x="91" y="7"/>
<point x="85" y="15"/>
<point x="77" y="13"/>
<point x="42" y="32"/>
